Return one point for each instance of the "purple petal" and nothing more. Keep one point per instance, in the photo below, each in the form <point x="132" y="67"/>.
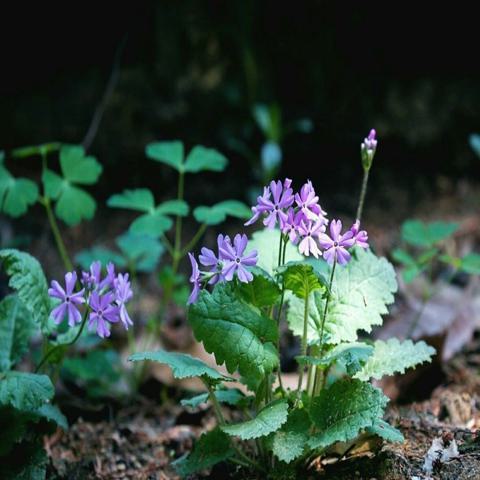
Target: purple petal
<point x="243" y="274"/>
<point x="335" y="229"/>
<point x="195" y="272"/>
<point x="208" y="258"/>
<point x="343" y="257"/>
<point x="125" y="317"/>
<point x="228" y="270"/>
<point x="250" y="259"/>
<point x="240" y="242"/>
<point x="324" y="241"/>
<point x="329" y="255"/>
<point x="73" y="315"/>
<point x="58" y="313"/>
<point x="194" y="294"/>
<point x="56" y="291"/>
<point x="70" y="281"/>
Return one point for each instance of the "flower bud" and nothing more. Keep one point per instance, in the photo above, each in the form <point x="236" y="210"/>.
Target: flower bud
<point x="368" y="149"/>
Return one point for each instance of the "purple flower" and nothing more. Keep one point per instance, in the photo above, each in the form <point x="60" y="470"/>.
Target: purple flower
<point x="274" y="208"/>
<point x="109" y="280"/>
<point x="290" y="227"/>
<point x="123" y="294"/>
<point x="195" y="279"/>
<point x="92" y="278"/>
<point x="236" y="261"/>
<point x="213" y="262"/>
<point x="360" y="236"/>
<point x="309" y="230"/>
<point x="103" y="313"/>
<point x="307" y="202"/>
<point x="69" y="299"/>
<point x="336" y="244"/>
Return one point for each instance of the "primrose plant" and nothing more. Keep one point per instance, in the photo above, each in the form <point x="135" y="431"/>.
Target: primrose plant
<point x="59" y="314"/>
<point x="329" y="286"/>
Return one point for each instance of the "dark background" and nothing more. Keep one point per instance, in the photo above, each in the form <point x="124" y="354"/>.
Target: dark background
<point x="193" y="70"/>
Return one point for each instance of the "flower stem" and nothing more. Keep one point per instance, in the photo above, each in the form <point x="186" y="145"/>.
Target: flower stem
<point x="363" y="193"/>
<point x="191" y="244"/>
<point x="178" y="224"/>
<point x="327" y="301"/>
<point x="303" y="351"/>
<point x="57" y="347"/>
<point x="67" y="263"/>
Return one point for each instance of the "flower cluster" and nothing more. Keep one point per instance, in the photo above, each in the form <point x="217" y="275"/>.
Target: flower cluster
<point x="368" y="149"/>
<point x="300" y="217"/>
<point x="230" y="260"/>
<point x="105" y="299"/>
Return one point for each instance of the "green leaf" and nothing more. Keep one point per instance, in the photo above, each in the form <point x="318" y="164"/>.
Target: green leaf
<point x="104" y="255"/>
<point x="25" y="391"/>
<point x="301" y="279"/>
<point x="342" y="410"/>
<point x="423" y="234"/>
<point x="52" y="183"/>
<point x="141" y="250"/>
<point x="200" y="159"/>
<point x="31" y="150"/>
<point x="16" y="194"/>
<point x="170" y="153"/>
<point x="27" y="278"/>
<point x="211" y="448"/>
<point x="385" y="431"/>
<point x="153" y="225"/>
<point x="52" y="413"/>
<point x="236" y="332"/>
<point x="262" y="291"/>
<point x="290" y="441"/>
<point x="230" y="396"/>
<point x="77" y="167"/>
<point x="267" y="242"/>
<point x="173" y="207"/>
<point x="394" y="356"/>
<point x="75" y="205"/>
<point x="182" y="365"/>
<point x="401" y="256"/>
<point x="360" y="294"/>
<point x="411" y="273"/>
<point x="471" y="263"/>
<point x="16" y="328"/>
<point x="97" y="365"/>
<point x="140" y="199"/>
<point x="351" y="354"/>
<point x="268" y="420"/>
<point x="218" y="213"/>
<point x="28" y="462"/>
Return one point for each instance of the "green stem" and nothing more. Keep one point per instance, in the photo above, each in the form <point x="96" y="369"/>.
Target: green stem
<point x="56" y="347"/>
<point x="168" y="245"/>
<point x="304" y="344"/>
<point x="178" y="224"/>
<point x="67" y="263"/>
<point x="216" y="405"/>
<point x="324" y="316"/>
<point x="363" y="193"/>
<point x="191" y="244"/>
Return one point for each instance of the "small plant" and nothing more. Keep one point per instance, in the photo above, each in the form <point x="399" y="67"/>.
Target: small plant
<point x="329" y="286"/>
<point x="60" y="314"/>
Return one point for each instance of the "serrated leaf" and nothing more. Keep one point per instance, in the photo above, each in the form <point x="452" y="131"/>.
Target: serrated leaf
<point x="104" y="255"/>
<point x="290" y="441"/>
<point x="211" y="448"/>
<point x="173" y="207"/>
<point x="301" y="278"/>
<point x="236" y="332"/>
<point x="182" y="364"/>
<point x="385" y="431"/>
<point x="351" y="354"/>
<point x="267" y="242"/>
<point x="16" y="328"/>
<point x="170" y="153"/>
<point x="27" y="278"/>
<point x="360" y="294"/>
<point x="230" y="396"/>
<point x="262" y="291"/>
<point x="394" y="356"/>
<point x="342" y="410"/>
<point x="153" y="225"/>
<point x="470" y="263"/>
<point x="141" y="250"/>
<point x="25" y="391"/>
<point x="74" y="205"/>
<point x="423" y="234"/>
<point x="16" y="194"/>
<point x="218" y="213"/>
<point x="140" y="199"/>
<point x="268" y="420"/>
<point x="52" y="413"/>
<point x="77" y="167"/>
<point x="201" y="159"/>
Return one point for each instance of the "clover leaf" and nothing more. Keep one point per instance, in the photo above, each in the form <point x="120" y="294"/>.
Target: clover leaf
<point x="16" y="194"/>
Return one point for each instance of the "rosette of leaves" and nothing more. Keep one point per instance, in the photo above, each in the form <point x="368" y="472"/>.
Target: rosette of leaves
<point x="155" y="219"/>
<point x="26" y="412"/>
<point x="72" y="202"/>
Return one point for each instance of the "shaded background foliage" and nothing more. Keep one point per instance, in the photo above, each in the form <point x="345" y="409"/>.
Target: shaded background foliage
<point x="194" y="71"/>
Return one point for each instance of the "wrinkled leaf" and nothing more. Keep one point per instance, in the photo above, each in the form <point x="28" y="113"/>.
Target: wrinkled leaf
<point x="25" y="391"/>
<point x="301" y="279"/>
<point x="385" y="431"/>
<point x="262" y="291"/>
<point x="290" y="441"/>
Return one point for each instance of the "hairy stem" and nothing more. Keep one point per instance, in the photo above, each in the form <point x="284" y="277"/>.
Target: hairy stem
<point x="303" y="351"/>
<point x="363" y="193"/>
<point x="57" y="347"/>
<point x="325" y="310"/>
